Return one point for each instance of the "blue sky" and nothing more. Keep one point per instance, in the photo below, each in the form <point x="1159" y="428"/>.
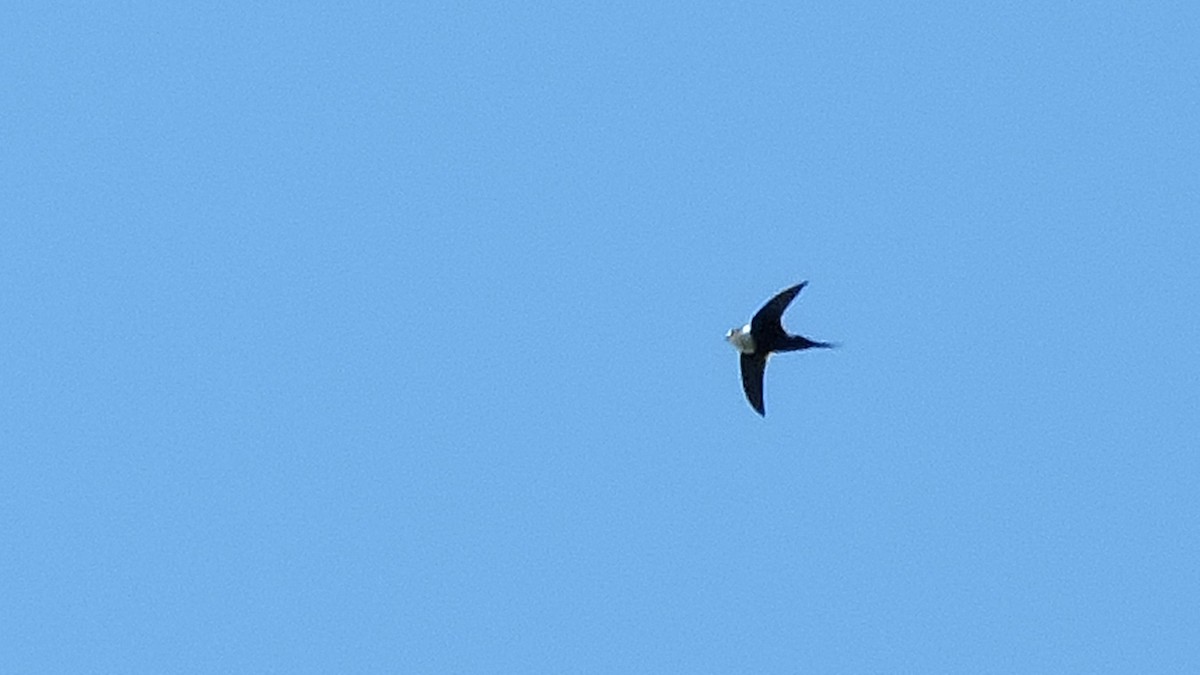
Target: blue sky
<point x="388" y="337"/>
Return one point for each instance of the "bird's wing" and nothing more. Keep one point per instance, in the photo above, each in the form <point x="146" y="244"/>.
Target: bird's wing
<point x="753" y="367"/>
<point x="771" y="313"/>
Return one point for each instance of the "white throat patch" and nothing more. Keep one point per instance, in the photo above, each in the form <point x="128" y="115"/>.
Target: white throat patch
<point x="741" y="339"/>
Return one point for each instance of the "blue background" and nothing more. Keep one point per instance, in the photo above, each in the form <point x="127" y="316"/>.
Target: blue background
<point x="387" y="337"/>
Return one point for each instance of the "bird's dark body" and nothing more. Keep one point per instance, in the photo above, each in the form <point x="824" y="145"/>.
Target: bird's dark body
<point x="766" y="329"/>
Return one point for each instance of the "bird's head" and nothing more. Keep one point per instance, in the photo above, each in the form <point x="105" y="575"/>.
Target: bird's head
<point x="741" y="339"/>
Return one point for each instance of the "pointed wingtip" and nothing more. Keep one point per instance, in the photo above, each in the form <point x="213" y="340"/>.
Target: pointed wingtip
<point x="795" y="288"/>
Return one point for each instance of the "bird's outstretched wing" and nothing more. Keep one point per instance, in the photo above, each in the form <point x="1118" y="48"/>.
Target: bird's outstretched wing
<point x="753" y="367"/>
<point x="769" y="317"/>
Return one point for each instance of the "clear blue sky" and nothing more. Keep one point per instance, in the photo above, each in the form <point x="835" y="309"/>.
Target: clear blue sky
<point x="387" y="337"/>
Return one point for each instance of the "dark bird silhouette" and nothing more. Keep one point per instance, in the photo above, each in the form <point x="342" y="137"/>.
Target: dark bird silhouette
<point x="763" y="336"/>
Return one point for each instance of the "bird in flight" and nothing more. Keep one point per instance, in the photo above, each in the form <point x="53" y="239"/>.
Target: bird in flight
<point x="763" y="336"/>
